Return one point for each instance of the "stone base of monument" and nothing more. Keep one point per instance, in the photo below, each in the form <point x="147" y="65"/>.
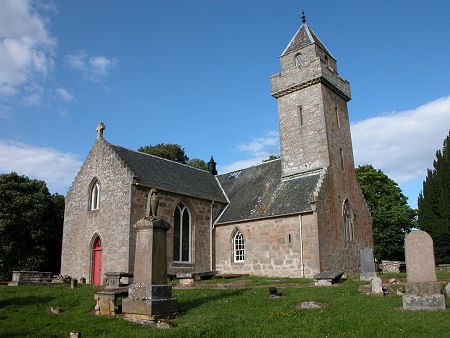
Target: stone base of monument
<point x="367" y="276"/>
<point x="149" y="302"/>
<point x="423" y="296"/>
<point x="433" y="302"/>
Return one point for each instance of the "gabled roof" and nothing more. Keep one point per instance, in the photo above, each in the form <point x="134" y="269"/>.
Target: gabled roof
<point x="258" y="192"/>
<point x="304" y="37"/>
<point x="157" y="172"/>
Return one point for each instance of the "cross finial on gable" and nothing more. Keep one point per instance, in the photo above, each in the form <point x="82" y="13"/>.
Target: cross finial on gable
<point x="100" y="128"/>
<point x="303" y="16"/>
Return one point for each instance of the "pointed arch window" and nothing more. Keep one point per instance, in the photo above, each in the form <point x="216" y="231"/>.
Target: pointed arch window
<point x="348" y="223"/>
<point x="94" y="200"/>
<point x="238" y="246"/>
<point x="182" y="234"/>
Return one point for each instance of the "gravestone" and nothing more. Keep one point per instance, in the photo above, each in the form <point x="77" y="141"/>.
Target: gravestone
<point x="377" y="285"/>
<point x="422" y="289"/>
<point x="368" y="270"/>
<point x="149" y="297"/>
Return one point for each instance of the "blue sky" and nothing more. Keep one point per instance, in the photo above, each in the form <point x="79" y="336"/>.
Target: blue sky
<point x="197" y="73"/>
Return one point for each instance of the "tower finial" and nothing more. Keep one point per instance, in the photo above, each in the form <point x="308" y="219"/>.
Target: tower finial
<point x="303" y="16"/>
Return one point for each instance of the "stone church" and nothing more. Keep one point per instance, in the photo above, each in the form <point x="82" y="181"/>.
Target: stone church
<point x="291" y="217"/>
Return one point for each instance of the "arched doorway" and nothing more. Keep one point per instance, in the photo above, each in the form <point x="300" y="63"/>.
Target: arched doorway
<point x="97" y="262"/>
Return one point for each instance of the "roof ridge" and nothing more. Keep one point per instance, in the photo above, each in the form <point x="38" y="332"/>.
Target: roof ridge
<point x="250" y="166"/>
<point x="159" y="157"/>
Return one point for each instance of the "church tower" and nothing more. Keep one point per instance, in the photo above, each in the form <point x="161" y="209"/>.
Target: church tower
<point x="312" y="108"/>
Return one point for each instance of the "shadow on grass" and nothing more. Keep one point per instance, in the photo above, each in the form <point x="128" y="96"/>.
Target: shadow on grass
<point x="184" y="307"/>
<point x="24" y="301"/>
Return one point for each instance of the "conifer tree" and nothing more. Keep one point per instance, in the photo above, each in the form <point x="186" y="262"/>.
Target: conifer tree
<point x="434" y="204"/>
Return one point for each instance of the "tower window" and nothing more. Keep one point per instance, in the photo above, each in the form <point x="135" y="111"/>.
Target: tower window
<point x="326" y="59"/>
<point x="300" y="115"/>
<point x="342" y="159"/>
<point x="298" y="59"/>
<point x="238" y="246"/>
<point x="94" y="200"/>
<point x="337" y="116"/>
<point x="182" y="234"/>
<point x="348" y="224"/>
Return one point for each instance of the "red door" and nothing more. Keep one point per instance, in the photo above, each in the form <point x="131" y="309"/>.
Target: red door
<point x="97" y="263"/>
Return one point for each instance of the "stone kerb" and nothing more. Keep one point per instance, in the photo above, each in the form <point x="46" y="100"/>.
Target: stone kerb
<point x="419" y="254"/>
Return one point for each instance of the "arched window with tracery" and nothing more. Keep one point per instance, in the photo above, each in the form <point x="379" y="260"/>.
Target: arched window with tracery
<point x="348" y="223"/>
<point x="182" y="234"/>
<point x="238" y="247"/>
<point x="94" y="196"/>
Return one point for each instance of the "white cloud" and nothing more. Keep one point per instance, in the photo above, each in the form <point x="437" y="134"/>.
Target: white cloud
<point x="258" y="149"/>
<point x="56" y="168"/>
<point x="64" y="94"/>
<point x="403" y="144"/>
<point x="94" y="68"/>
<point x="26" y="47"/>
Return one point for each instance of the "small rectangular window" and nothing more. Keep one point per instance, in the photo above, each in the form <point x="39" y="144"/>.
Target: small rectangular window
<point x="300" y="115"/>
<point x="337" y="116"/>
<point x="342" y="159"/>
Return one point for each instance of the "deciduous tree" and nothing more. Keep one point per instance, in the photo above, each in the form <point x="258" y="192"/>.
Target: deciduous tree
<point x="169" y="151"/>
<point x="31" y="221"/>
<point x="392" y="217"/>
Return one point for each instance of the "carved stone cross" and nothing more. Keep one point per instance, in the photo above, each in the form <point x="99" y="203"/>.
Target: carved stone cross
<point x="100" y="129"/>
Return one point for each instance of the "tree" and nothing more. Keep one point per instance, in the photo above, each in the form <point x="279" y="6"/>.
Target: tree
<point x="392" y="217"/>
<point x="170" y="151"/>
<point x="31" y="221"/>
<point x="272" y="157"/>
<point x="434" y="204"/>
<point x="197" y="163"/>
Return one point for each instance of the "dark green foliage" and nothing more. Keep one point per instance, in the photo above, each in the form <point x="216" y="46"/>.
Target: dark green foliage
<point x="197" y="163"/>
<point x="31" y="221"/>
<point x="392" y="217"/>
<point x="272" y="157"/>
<point x="434" y="204"/>
<point x="170" y="151"/>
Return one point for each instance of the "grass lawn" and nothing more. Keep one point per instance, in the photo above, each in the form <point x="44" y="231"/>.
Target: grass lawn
<point x="224" y="312"/>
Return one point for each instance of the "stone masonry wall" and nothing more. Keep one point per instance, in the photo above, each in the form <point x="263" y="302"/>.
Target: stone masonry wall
<point x="340" y="184"/>
<point x="303" y="147"/>
<point x="111" y="221"/>
<point x="268" y="251"/>
<point x="200" y="227"/>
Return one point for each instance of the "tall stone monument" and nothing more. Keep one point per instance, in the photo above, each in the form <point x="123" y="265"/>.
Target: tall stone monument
<point x="367" y="265"/>
<point x="423" y="292"/>
<point x="149" y="297"/>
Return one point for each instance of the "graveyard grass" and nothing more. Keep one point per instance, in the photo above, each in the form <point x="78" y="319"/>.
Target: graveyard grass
<point x="239" y="312"/>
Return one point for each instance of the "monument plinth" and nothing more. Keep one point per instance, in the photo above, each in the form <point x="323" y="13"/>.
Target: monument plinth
<point x="149" y="297"/>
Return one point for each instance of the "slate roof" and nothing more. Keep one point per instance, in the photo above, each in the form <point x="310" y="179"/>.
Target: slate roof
<point x="304" y="36"/>
<point x="258" y="191"/>
<point x="157" y="172"/>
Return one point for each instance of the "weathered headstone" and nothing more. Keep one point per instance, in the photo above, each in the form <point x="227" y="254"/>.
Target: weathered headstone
<point x="367" y="264"/>
<point x="447" y="290"/>
<point x="422" y="289"/>
<point x="150" y="298"/>
<point x="377" y="285"/>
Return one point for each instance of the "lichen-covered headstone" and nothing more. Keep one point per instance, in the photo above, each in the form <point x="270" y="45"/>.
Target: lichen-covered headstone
<point x="377" y="286"/>
<point x="422" y="289"/>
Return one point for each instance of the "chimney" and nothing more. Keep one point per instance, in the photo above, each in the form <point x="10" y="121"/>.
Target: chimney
<point x="212" y="166"/>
